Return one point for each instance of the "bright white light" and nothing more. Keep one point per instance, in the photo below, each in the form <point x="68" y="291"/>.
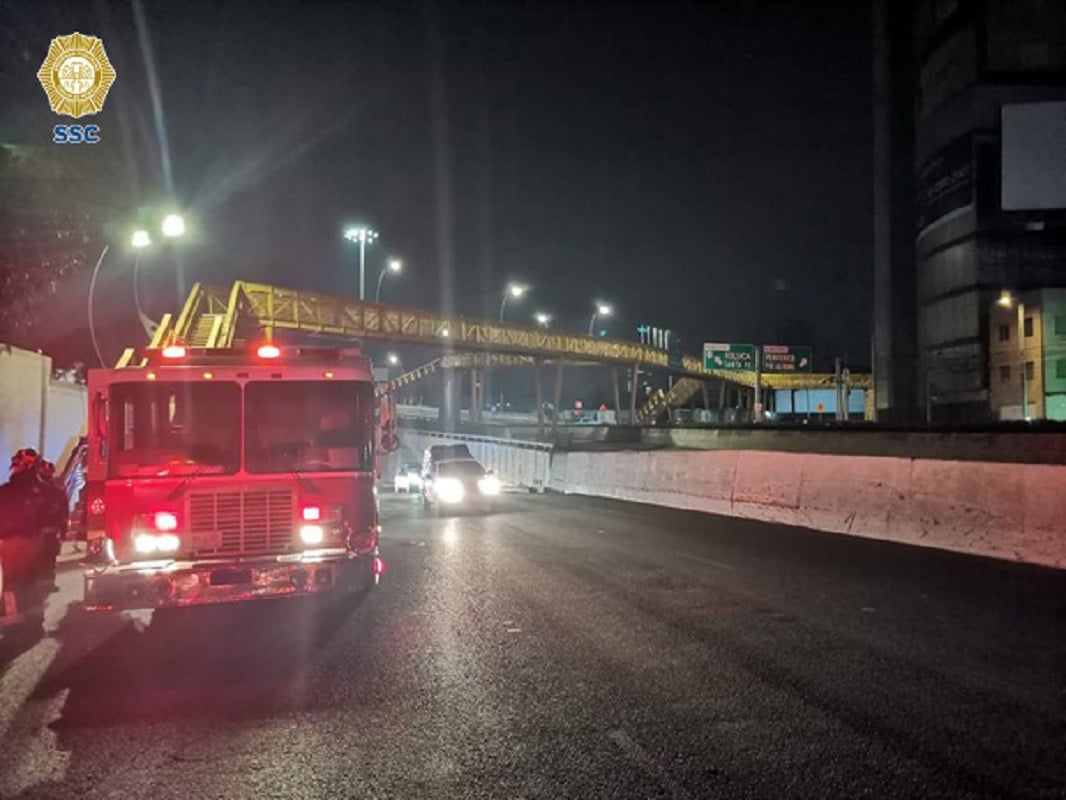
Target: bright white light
<point x="148" y="543"/>
<point x="543" y="319"/>
<point x="395" y="265"/>
<point x="173" y="225"/>
<point x="168" y="543"/>
<point x="450" y="490"/>
<point x="312" y="534"/>
<point x="361" y="234"/>
<point x="166" y="521"/>
<point x="603" y="309"/>
<point x="145" y="543"/>
<point x="140" y="239"/>
<point x="489" y="485"/>
<point x="516" y="290"/>
<point x="393" y="359"/>
<point x="1005" y="299"/>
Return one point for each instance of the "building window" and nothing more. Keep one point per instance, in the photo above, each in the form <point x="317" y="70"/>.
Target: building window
<point x="1004" y="373"/>
<point x="1030" y="370"/>
<point x="1060" y="324"/>
<point x="1004" y="332"/>
<point x="1060" y="369"/>
<point x="1028" y="327"/>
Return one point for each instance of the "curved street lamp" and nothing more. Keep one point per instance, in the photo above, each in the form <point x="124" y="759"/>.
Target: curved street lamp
<point x="173" y="226"/>
<point x="543" y="320"/>
<point x="602" y="310"/>
<point x="393" y="265"/>
<point x="513" y="291"/>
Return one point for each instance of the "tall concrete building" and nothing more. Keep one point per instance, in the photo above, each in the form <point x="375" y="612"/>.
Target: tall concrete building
<point x="989" y="165"/>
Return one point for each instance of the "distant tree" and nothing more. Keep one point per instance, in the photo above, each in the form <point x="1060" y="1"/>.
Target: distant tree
<point x="53" y="201"/>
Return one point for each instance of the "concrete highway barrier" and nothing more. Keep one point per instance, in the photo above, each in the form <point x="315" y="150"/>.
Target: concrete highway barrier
<point x="1011" y="511"/>
<point x="1008" y="511"/>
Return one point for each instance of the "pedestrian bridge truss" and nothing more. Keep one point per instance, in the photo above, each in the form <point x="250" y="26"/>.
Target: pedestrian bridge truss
<point x="225" y="317"/>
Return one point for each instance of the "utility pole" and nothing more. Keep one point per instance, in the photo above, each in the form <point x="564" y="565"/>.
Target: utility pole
<point x="757" y="410"/>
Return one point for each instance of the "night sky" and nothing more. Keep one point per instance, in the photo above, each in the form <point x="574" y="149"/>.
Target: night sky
<point x="702" y="166"/>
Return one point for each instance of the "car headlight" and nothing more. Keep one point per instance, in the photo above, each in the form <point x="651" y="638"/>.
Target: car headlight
<point x="450" y="490"/>
<point x="489" y="485"/>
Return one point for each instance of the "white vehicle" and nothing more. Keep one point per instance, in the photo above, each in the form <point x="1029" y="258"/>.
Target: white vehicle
<point x="408" y="478"/>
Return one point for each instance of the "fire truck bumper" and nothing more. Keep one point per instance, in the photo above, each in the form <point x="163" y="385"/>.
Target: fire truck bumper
<point x="169" y="584"/>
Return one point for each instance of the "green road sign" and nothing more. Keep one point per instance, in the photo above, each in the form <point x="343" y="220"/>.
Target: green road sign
<point x="729" y="356"/>
<point x="786" y="358"/>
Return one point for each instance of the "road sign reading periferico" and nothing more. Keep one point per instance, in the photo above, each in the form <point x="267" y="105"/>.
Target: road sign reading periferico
<point x="786" y="358"/>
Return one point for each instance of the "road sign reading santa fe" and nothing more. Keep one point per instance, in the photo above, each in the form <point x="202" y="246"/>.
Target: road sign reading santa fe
<point x="729" y="356"/>
<point x="786" y="358"/>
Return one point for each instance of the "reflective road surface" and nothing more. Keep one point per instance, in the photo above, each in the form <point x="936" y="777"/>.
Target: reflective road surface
<point x="566" y="647"/>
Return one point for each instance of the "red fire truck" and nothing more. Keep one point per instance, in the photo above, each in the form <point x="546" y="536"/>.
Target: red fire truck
<point x="224" y="475"/>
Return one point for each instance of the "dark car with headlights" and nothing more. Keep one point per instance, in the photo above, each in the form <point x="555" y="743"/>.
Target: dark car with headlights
<point x="459" y="484"/>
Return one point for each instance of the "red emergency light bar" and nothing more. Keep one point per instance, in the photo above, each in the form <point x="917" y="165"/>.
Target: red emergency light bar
<point x="180" y="355"/>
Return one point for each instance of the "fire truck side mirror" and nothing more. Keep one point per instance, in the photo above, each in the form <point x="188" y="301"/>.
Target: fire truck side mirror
<point x="99" y="421"/>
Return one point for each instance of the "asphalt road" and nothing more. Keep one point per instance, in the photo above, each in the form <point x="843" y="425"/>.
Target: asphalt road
<point x="568" y="647"/>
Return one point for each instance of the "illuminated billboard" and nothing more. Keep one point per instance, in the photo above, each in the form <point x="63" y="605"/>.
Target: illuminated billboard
<point x="1034" y="156"/>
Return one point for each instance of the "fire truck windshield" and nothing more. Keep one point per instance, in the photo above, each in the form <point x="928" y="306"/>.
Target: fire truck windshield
<point x="312" y="426"/>
<point x="174" y="428"/>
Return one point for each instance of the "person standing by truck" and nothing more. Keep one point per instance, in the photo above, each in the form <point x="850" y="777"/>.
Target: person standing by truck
<point x="53" y="521"/>
<point x="21" y="506"/>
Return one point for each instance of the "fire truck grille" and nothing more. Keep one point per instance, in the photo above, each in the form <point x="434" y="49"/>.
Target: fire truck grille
<point x="254" y="521"/>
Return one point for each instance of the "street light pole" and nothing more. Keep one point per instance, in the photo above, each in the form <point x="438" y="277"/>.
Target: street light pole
<point x="1006" y="299"/>
<point x="394" y="265"/>
<point x="362" y="269"/>
<point x="147" y="322"/>
<point x="92" y="290"/>
<point x="361" y="235"/>
<point x="173" y="226"/>
<point x="515" y="290"/>
<point x="1021" y="349"/>
<point x="602" y="310"/>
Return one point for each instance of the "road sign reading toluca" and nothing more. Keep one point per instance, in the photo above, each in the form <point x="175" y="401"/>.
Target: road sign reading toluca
<point x="729" y="356"/>
<point x="786" y="358"/>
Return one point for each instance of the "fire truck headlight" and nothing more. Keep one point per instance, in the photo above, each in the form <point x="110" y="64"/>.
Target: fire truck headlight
<point x="147" y="544"/>
<point x="312" y="534"/>
<point x="168" y="543"/>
